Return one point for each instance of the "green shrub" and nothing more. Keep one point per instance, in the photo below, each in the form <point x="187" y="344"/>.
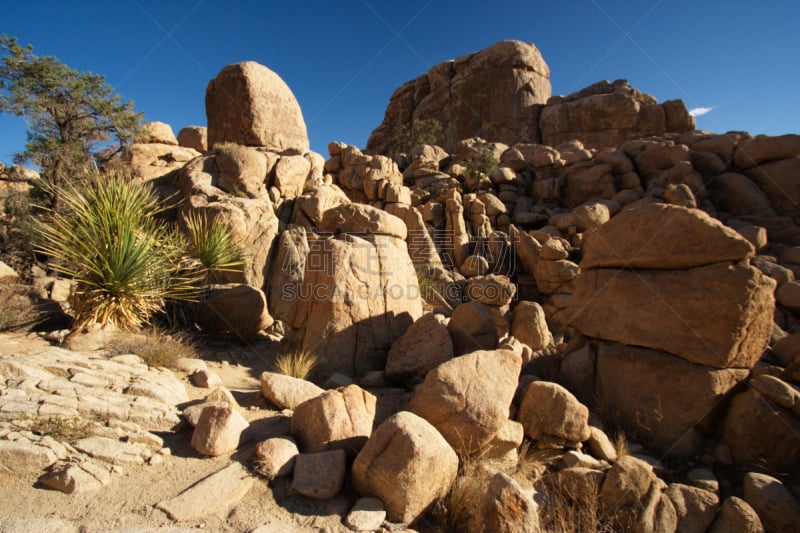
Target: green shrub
<point x="485" y="164"/>
<point x="16" y="233"/>
<point x="126" y="263"/>
<point x="422" y="131"/>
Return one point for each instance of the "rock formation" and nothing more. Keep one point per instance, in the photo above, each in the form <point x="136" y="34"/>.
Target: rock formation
<point x="496" y="93"/>
<point x="249" y="105"/>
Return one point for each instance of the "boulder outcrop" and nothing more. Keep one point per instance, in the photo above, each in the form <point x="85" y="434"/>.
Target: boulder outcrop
<point x="250" y="105"/>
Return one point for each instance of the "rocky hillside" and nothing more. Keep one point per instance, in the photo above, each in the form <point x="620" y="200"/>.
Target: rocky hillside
<point x="494" y="311"/>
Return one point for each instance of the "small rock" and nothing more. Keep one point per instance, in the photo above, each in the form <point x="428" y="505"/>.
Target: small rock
<point x="206" y="379"/>
<point x="218" y="430"/>
<point x="703" y="478"/>
<point x="736" y="516"/>
<point x="600" y="445"/>
<point x="286" y="392"/>
<point x="696" y="508"/>
<point x="367" y="515"/>
<point x="320" y="475"/>
<point x="275" y="457"/>
<point x="75" y="478"/>
<point x="221" y="394"/>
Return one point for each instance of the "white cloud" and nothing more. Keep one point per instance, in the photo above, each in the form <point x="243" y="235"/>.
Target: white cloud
<point x="698" y="111"/>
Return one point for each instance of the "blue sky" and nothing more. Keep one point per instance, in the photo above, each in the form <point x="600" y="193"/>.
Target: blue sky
<point x="343" y="59"/>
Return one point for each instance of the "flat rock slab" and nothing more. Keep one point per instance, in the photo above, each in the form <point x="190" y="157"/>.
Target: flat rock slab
<point x="26" y="525"/>
<point x="210" y="495"/>
<point x="114" y="451"/>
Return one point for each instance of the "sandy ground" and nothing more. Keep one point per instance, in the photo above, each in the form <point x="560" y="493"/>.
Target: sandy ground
<point x="128" y="502"/>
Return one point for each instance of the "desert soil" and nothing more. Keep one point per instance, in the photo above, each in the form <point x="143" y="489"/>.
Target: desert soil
<point x="128" y="503"/>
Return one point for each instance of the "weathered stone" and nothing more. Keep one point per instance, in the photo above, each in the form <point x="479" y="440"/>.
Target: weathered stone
<point x="211" y="495"/>
<point x="424" y="345"/>
<point x="661" y="399"/>
<point x="249" y="104"/>
<point x="696" y="508"/>
<point x="320" y="475"/>
<point x="726" y="321"/>
<point x="27" y="525"/>
<point x="357" y="297"/>
<point x="552" y="275"/>
<point x="472" y="328"/>
<point x="549" y="410"/>
<point x="505" y="507"/>
<point x="162" y="386"/>
<point x="777" y="180"/>
<point x="22" y="457"/>
<point x="194" y="137"/>
<point x="206" y="379"/>
<point x="774" y="503"/>
<point x="763" y="149"/>
<point x="407" y="464"/>
<point x="242" y="171"/>
<point x="580" y="484"/>
<point x="287" y="392"/>
<point x="219" y="430"/>
<point x="291" y="174"/>
<point x="759" y="432"/>
<point x="274" y="458"/>
<point x="788" y="295"/>
<point x="606" y="114"/>
<point x="600" y="445"/>
<point x="156" y="132"/>
<point x="529" y="325"/>
<point x="240" y="310"/>
<point x="739" y="195"/>
<point x="467" y="399"/>
<point x="506" y="83"/>
<point x="492" y="290"/>
<point x="736" y="516"/>
<point x="337" y="419"/>
<point x="366" y="515"/>
<point x="7" y="274"/>
<point x="76" y="478"/>
<point x="114" y="451"/>
<point x="664" y="236"/>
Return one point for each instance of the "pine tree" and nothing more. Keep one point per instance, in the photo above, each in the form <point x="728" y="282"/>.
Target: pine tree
<point x="74" y="118"/>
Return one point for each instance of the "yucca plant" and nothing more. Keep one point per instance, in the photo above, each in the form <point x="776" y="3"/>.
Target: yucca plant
<point x="212" y="243"/>
<point x="126" y="264"/>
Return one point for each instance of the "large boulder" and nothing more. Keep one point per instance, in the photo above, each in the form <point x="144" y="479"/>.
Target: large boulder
<point x="239" y="310"/>
<point x="718" y="315"/>
<point x="759" y="431"/>
<point x="337" y="419"/>
<point x="663" y="236"/>
<point x="407" y="464"/>
<point x="423" y="346"/>
<point x="468" y="398"/>
<point x="358" y="295"/>
<point x="495" y="93"/>
<point x="156" y="132"/>
<point x="249" y="104"/>
<point x="661" y="399"/>
<point x="549" y="411"/>
<point x="607" y="114"/>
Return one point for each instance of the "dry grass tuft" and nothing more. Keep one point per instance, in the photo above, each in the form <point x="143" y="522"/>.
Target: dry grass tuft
<point x="156" y="348"/>
<point x="68" y="430"/>
<point x="297" y="364"/>
<point x="621" y="444"/>
<point x="559" y="512"/>
<point x="19" y="310"/>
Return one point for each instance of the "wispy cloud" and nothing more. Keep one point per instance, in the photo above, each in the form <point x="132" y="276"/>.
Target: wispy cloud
<point x="698" y="111"/>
